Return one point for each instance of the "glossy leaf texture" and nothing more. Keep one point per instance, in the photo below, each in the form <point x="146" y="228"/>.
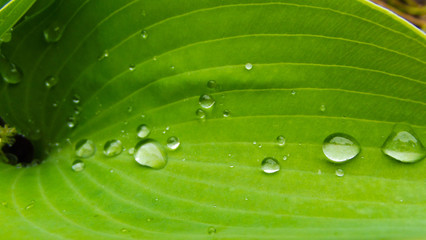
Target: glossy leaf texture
<point x="10" y="12"/>
<point x="302" y="70"/>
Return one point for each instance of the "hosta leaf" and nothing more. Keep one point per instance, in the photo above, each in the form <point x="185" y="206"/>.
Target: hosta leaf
<point x="10" y="12"/>
<point x="298" y="69"/>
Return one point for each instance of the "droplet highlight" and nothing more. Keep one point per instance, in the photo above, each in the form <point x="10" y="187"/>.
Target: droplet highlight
<point x="206" y="101"/>
<point x="113" y="148"/>
<point x="403" y="145"/>
<point x="173" y="143"/>
<point x="143" y="131"/>
<point x="150" y="154"/>
<point x="85" y="148"/>
<point x="340" y="172"/>
<point x="50" y="81"/>
<point x="340" y="147"/>
<point x="248" y="66"/>
<point x="280" y="140"/>
<point x="270" y="165"/>
<point x="78" y="166"/>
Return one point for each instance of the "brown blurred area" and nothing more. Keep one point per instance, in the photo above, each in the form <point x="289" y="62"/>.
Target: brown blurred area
<point x="412" y="10"/>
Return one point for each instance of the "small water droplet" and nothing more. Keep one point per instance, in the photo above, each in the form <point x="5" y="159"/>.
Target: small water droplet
<point x="10" y="73"/>
<point x="226" y="113"/>
<point x="403" y="145"/>
<point x="78" y="165"/>
<point x="113" y="148"/>
<point x="285" y="158"/>
<point x="293" y="92"/>
<point x="173" y="143"/>
<point x="340" y="147"/>
<point x="280" y="140"/>
<point x="85" y="148"/>
<point x="200" y="113"/>
<point x="143" y="131"/>
<point x="104" y="55"/>
<point x="319" y="172"/>
<point x="248" y="66"/>
<point x="322" y="108"/>
<point x="124" y="230"/>
<point x="150" y="154"/>
<point x="144" y="34"/>
<point x="211" y="84"/>
<point x="206" y="101"/>
<point x="76" y="99"/>
<point x="30" y="205"/>
<point x="51" y="81"/>
<point x="53" y="33"/>
<point x="211" y="230"/>
<point x="340" y="172"/>
<point x="131" y="151"/>
<point x="55" y="104"/>
<point x="77" y="110"/>
<point x="132" y="67"/>
<point x="72" y="121"/>
<point x="270" y="165"/>
<point x="130" y="109"/>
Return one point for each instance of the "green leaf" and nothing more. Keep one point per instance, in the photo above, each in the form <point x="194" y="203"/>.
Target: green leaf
<point x="318" y="67"/>
<point x="10" y="13"/>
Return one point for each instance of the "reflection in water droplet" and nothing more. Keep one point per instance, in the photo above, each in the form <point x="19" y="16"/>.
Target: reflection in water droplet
<point x="10" y="73"/>
<point x="340" y="147"/>
<point x="340" y="172"/>
<point x="270" y="165"/>
<point x="143" y="131"/>
<point x="173" y="143"/>
<point x="200" y="113"/>
<point x="150" y="154"/>
<point x="144" y="34"/>
<point x="248" y="66"/>
<point x="403" y="145"/>
<point x="226" y="113"/>
<point x="85" y="148"/>
<point x="211" y="230"/>
<point x="206" y="101"/>
<point x="50" y="81"/>
<point x="280" y="140"/>
<point x="53" y="33"/>
<point x="113" y="148"/>
<point x="211" y="84"/>
<point x="78" y="166"/>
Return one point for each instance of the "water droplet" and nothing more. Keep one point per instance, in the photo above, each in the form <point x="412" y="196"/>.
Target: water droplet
<point x="53" y="33"/>
<point x="71" y="122"/>
<point x="150" y="154"/>
<point x="132" y="67"/>
<point x="77" y="110"/>
<point x="200" y="113"/>
<point x="30" y="205"/>
<point x="7" y="36"/>
<point x="340" y="147"/>
<point x="11" y="73"/>
<point x="113" y="148"/>
<point x="78" y="166"/>
<point x="143" y="131"/>
<point x="211" y="230"/>
<point x="55" y="104"/>
<point x="322" y="108"/>
<point x="319" y="172"/>
<point x="285" y="158"/>
<point x="144" y="34"/>
<point x="131" y="151"/>
<point x="270" y="165"/>
<point x="293" y="92"/>
<point x="340" y="172"/>
<point x="104" y="55"/>
<point x="280" y="140"/>
<point x="226" y="113"/>
<point x="50" y="81"/>
<point x="85" y="148"/>
<point x="403" y="145"/>
<point x="124" y="230"/>
<point x="248" y="66"/>
<point x="173" y="143"/>
<point x="76" y="99"/>
<point x="211" y="84"/>
<point x="130" y="109"/>
<point x="206" y="101"/>
<point x="172" y="67"/>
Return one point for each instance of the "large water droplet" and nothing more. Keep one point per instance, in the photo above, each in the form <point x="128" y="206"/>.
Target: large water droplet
<point x="403" y="145"/>
<point x="248" y="66"/>
<point x="50" y="81"/>
<point x="280" y="140"/>
<point x="340" y="147"/>
<point x="78" y="165"/>
<point x="113" y="148"/>
<point x="143" y="131"/>
<point x="206" y="101"/>
<point x="150" y="154"/>
<point x="10" y="72"/>
<point x="270" y="165"/>
<point x="173" y="143"/>
<point x="53" y="33"/>
<point x="85" y="148"/>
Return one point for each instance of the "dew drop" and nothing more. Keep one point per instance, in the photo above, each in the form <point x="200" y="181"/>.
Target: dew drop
<point x="130" y="109"/>
<point x="53" y="33"/>
<point x="293" y="92"/>
<point x="206" y="101"/>
<point x="144" y="34"/>
<point x="226" y="113"/>
<point x="76" y="99"/>
<point x="285" y="158"/>
<point x="104" y="55"/>
<point x="211" y="84"/>
<point x="200" y="113"/>
<point x="322" y="108"/>
<point x="270" y="165"/>
<point x="113" y="148"/>
<point x="280" y="140"/>
<point x="78" y="166"/>
<point x="340" y="147"/>
<point x="85" y="148"/>
<point x="50" y="81"/>
<point x="131" y="151"/>
<point x="340" y="172"/>
<point x="173" y="143"/>
<point x="150" y="154"/>
<point x="403" y="145"/>
<point x="248" y="66"/>
<point x="10" y="73"/>
<point x="71" y="122"/>
<point x="143" y="131"/>
<point x="211" y="230"/>
<point x="132" y="67"/>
